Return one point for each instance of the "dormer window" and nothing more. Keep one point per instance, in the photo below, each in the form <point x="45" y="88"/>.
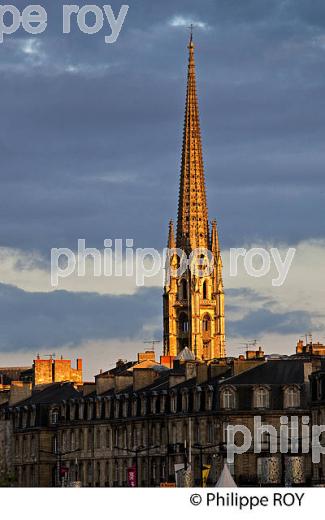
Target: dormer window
<point x="173" y="403"/>
<point x="54" y="417"/>
<point x="185" y="402"/>
<point x="228" y="398"/>
<point x="261" y="397"/>
<point x="291" y="397"/>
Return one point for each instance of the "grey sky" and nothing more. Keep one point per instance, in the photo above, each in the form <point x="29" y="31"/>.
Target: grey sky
<point x="90" y="140"/>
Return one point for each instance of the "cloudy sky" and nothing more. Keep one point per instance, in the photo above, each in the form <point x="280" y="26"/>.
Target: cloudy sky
<point x="90" y="141"/>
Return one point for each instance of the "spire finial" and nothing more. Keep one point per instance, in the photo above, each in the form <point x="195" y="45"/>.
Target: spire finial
<point x="191" y="44"/>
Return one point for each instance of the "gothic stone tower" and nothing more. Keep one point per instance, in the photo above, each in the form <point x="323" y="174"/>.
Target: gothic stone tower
<point x="193" y="304"/>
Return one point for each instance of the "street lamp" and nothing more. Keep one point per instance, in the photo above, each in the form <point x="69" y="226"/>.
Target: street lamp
<point x="136" y="452"/>
<point x="59" y="454"/>
<point x="201" y="448"/>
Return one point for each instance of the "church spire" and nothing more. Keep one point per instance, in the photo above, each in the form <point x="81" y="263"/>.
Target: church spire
<point x="171" y="236"/>
<point x="193" y="304"/>
<point x="192" y="225"/>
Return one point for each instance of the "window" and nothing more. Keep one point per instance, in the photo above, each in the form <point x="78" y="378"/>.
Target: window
<point x="208" y="400"/>
<point x="154" y="472"/>
<point x="224" y="432"/>
<point x="89" y="473"/>
<point x="154" y="404"/>
<point x="210" y="432"/>
<point x="55" y="444"/>
<point x="98" y="438"/>
<point x="292" y="397"/>
<point x="64" y="440"/>
<point x="163" y="470"/>
<point x="107" y="474"/>
<point x="125" y="407"/>
<point x="97" y="473"/>
<point x="134" y="407"/>
<point x="116" y="437"/>
<point x="206" y="324"/>
<point x="98" y="408"/>
<point x="183" y="289"/>
<point x="185" y="402"/>
<point x="81" y="439"/>
<point x="265" y="440"/>
<point x="205" y="290"/>
<point x="197" y="432"/>
<point x="54" y="416"/>
<point x="174" y="434"/>
<point x="183" y="323"/>
<point x="228" y="398"/>
<point x="173" y="403"/>
<point x="197" y="400"/>
<point x="90" y="411"/>
<point x="153" y="434"/>
<point x="116" y="472"/>
<point x="108" y="438"/>
<point x="262" y="398"/>
<point x="89" y="439"/>
<point x="33" y="446"/>
<point x="72" y="440"/>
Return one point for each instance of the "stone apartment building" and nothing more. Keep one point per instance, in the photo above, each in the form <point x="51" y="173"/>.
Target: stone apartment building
<point x="17" y="385"/>
<point x="146" y="415"/>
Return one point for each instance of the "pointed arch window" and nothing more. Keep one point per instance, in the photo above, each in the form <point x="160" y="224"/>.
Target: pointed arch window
<point x="206" y="323"/>
<point x="183" y="323"/>
<point x="205" y="290"/>
<point x="183" y="289"/>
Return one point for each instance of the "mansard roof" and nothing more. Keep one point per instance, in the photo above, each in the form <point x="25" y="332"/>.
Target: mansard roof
<point x="53" y="393"/>
<point x="272" y="372"/>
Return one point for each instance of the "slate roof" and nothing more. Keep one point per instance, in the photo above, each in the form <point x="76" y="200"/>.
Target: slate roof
<point x="272" y="372"/>
<point x="53" y="393"/>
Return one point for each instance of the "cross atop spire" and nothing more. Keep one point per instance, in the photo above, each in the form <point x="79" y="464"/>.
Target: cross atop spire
<point x="192" y="224"/>
<point x="191" y="32"/>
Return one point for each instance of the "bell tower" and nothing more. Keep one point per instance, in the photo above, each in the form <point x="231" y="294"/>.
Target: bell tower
<point x="193" y="301"/>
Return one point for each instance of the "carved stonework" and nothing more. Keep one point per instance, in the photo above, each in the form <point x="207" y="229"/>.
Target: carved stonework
<point x="185" y="318"/>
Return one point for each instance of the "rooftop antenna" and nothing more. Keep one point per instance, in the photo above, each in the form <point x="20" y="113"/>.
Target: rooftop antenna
<point x="152" y="342"/>
<point x="51" y="356"/>
<point x="251" y="343"/>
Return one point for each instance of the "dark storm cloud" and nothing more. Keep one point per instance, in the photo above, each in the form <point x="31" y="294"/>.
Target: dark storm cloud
<point x="30" y="321"/>
<point x="264" y="321"/>
<point x="245" y="292"/>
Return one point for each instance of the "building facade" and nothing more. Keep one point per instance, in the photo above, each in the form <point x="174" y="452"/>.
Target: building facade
<point x="150" y="419"/>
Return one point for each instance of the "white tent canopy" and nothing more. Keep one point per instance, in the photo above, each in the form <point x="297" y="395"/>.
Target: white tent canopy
<point x="225" y="479"/>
